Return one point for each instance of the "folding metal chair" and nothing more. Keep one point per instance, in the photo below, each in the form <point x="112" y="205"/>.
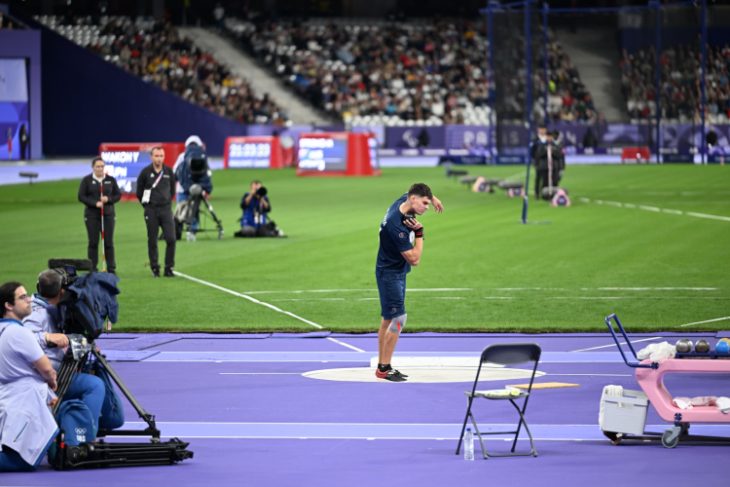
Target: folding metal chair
<point x="504" y="354"/>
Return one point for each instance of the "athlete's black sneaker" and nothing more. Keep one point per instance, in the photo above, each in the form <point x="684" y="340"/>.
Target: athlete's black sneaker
<point x="391" y="375"/>
<point x="399" y="373"/>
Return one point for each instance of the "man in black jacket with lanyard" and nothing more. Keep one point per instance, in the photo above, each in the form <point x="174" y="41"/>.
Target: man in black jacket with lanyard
<point x="98" y="192"/>
<point x="155" y="190"/>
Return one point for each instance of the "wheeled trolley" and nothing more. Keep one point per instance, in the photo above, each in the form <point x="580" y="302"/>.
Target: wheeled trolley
<point x="650" y="376"/>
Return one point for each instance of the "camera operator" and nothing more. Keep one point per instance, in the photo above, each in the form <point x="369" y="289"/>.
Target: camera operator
<point x="191" y="168"/>
<point x="255" y="205"/>
<point x="43" y="321"/>
<point x="155" y="190"/>
<point x="99" y="192"/>
<point x="27" y="426"/>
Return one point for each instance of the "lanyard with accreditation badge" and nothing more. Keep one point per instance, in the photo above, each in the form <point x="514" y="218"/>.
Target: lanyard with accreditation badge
<point x="148" y="192"/>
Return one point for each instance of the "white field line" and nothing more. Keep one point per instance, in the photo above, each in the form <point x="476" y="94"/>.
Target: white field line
<point x="262" y="303"/>
<point x="656" y="209"/>
<point x="309" y="300"/>
<point x="629" y="297"/>
<point x="684" y="325"/>
<point x="468" y="289"/>
<point x="613" y="344"/>
<point x="249" y="298"/>
<point x="653" y="288"/>
<point x="326" y="291"/>
<point x="278" y="300"/>
<point x="722" y="318"/>
<point x="590" y="375"/>
<point x="347" y="345"/>
<point x="507" y="298"/>
<point x="259" y="373"/>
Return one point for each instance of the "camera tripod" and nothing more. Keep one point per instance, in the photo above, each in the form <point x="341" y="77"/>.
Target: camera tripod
<point x="99" y="453"/>
<point x="191" y="212"/>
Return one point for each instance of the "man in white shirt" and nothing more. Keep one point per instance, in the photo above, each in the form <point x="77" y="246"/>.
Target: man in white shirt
<point x="27" y="426"/>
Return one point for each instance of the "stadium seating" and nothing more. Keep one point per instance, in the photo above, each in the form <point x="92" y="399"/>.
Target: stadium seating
<point x="679" y="84"/>
<point x="157" y="53"/>
<point x="406" y="73"/>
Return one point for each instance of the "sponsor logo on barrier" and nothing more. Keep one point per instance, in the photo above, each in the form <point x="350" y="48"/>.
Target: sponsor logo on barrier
<point x="316" y="143"/>
<point x="313" y="161"/>
<point x="120" y="156"/>
<point x="117" y="171"/>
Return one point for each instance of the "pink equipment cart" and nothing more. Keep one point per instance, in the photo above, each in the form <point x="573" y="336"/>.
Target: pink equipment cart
<point x="650" y="376"/>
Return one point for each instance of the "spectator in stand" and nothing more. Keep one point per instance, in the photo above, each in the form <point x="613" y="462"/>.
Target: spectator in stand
<point x="679" y="88"/>
<point x="157" y="53"/>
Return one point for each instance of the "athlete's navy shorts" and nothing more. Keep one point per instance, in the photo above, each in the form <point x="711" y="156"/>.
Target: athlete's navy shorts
<point x="392" y="291"/>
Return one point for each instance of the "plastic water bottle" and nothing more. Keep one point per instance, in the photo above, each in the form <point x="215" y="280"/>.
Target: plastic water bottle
<point x="468" y="445"/>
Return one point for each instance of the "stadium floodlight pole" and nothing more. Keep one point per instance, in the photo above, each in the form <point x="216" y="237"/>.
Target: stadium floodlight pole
<point x="489" y="11"/>
<point x="703" y="80"/>
<point x="528" y="105"/>
<point x="545" y="45"/>
<point x="657" y="78"/>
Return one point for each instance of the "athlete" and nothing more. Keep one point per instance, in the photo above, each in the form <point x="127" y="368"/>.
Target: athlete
<point x="401" y="246"/>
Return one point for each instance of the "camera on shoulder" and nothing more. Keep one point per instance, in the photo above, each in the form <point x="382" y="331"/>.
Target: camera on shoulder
<point x="89" y="299"/>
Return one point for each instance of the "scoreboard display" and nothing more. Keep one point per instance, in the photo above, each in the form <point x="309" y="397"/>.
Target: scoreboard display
<point x="337" y="154"/>
<point x="252" y="152"/>
<point x="323" y="152"/>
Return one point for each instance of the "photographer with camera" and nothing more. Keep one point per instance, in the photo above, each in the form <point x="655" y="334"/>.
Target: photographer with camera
<point x="27" y="426"/>
<point x="44" y="322"/>
<point x="155" y="190"/>
<point x="99" y="192"/>
<point x="255" y="205"/>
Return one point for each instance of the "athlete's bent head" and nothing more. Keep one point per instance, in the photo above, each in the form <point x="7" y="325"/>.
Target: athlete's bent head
<point x="420" y="197"/>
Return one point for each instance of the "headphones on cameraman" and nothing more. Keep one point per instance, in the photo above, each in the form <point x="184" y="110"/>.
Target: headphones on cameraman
<point x="56" y="289"/>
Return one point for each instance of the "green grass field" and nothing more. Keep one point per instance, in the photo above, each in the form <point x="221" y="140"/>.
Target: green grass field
<point x="481" y="271"/>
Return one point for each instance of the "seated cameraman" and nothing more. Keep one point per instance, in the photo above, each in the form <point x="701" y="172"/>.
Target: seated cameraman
<point x="255" y="205"/>
<point x="43" y="321"/>
<point x="27" y="426"/>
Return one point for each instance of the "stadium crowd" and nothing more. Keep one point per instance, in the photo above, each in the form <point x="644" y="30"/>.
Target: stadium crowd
<point x="559" y="97"/>
<point x="568" y="99"/>
<point x="679" y="85"/>
<point x="157" y="53"/>
<point x="428" y="71"/>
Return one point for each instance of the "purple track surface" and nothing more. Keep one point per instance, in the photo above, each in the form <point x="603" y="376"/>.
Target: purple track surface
<point x="253" y="419"/>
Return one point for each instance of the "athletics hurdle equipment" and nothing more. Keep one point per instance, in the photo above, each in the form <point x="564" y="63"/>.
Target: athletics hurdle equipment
<point x="650" y="376"/>
<point x="481" y="184"/>
<point x="504" y="354"/>
<point x="512" y="189"/>
<point x="454" y="173"/>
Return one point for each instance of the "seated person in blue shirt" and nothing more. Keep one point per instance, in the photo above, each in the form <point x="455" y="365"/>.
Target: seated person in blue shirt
<point x="255" y="205"/>
<point x="27" y="426"/>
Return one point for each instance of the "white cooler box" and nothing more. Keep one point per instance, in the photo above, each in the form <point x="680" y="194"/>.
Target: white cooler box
<point x="623" y="410"/>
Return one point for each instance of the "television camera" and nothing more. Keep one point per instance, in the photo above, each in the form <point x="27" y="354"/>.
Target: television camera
<point x="88" y="301"/>
<point x="194" y="176"/>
